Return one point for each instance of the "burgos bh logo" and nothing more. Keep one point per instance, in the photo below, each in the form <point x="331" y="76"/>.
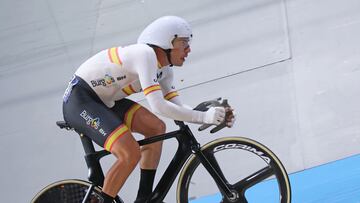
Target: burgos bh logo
<point x="93" y="122"/>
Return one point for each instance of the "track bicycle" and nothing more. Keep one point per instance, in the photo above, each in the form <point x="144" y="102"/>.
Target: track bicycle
<point x="225" y="170"/>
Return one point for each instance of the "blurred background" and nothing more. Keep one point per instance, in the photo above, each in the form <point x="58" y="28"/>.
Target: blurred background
<point x="290" y="69"/>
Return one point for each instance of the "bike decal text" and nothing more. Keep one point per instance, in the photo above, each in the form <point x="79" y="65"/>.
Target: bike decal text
<point x="245" y="147"/>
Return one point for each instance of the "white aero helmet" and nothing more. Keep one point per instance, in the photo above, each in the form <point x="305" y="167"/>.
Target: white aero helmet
<point x="164" y="30"/>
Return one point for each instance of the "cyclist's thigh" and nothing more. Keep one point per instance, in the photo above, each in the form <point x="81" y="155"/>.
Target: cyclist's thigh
<point x="138" y="118"/>
<point x="126" y="109"/>
<point x="147" y="123"/>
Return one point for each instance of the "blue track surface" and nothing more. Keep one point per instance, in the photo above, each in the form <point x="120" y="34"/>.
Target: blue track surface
<point x="336" y="182"/>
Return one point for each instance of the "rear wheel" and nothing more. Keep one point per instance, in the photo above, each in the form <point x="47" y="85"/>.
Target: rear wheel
<point x="68" y="191"/>
<point x="251" y="171"/>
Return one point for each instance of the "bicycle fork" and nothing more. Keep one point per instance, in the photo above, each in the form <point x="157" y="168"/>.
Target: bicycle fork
<point x="215" y="172"/>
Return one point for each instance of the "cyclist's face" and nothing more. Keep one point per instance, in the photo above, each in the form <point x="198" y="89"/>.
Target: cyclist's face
<point x="180" y="51"/>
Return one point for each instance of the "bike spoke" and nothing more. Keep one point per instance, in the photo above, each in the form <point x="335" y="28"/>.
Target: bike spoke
<point x="212" y="159"/>
<point x="214" y="163"/>
<point x="254" y="178"/>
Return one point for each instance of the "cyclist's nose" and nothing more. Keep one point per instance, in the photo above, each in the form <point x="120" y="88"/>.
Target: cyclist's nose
<point x="187" y="50"/>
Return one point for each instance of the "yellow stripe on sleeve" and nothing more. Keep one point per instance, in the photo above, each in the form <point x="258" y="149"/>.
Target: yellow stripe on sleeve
<point x="171" y="95"/>
<point x="114" y="56"/>
<point x="128" y="90"/>
<point x="115" y="135"/>
<point x="152" y="88"/>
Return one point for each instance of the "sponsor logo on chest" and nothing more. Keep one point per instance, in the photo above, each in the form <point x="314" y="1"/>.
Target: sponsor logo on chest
<point x="107" y="80"/>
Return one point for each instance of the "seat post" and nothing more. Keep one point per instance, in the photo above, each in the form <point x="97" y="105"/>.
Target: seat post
<point x="92" y="160"/>
<point x="87" y="144"/>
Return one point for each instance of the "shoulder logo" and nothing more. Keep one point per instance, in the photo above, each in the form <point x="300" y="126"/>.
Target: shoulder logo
<point x="158" y="76"/>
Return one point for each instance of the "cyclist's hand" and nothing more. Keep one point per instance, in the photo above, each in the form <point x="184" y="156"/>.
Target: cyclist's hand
<point x="215" y="115"/>
<point x="230" y="117"/>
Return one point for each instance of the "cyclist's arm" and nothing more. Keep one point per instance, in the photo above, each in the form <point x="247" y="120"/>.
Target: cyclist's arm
<point x="146" y="66"/>
<point x="168" y="88"/>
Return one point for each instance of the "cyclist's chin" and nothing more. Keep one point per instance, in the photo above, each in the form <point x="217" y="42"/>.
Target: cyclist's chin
<point x="178" y="63"/>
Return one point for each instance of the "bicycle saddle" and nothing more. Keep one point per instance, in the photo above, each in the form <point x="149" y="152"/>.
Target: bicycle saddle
<point x="63" y="124"/>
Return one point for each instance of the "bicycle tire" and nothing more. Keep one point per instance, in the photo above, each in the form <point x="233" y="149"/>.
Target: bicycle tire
<point x="272" y="165"/>
<point x="68" y="191"/>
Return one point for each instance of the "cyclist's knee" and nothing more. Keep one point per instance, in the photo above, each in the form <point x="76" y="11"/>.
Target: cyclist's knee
<point x="130" y="158"/>
<point x="159" y="127"/>
<point x="133" y="158"/>
<point x="128" y="155"/>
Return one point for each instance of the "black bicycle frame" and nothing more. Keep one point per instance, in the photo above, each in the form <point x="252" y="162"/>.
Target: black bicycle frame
<point x="187" y="145"/>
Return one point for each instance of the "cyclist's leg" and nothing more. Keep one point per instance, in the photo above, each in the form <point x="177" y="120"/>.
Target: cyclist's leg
<point x="84" y="111"/>
<point x="127" y="152"/>
<point x="139" y="119"/>
<point x="148" y="124"/>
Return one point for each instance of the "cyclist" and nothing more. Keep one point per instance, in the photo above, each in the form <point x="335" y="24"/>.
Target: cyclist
<point x="95" y="101"/>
